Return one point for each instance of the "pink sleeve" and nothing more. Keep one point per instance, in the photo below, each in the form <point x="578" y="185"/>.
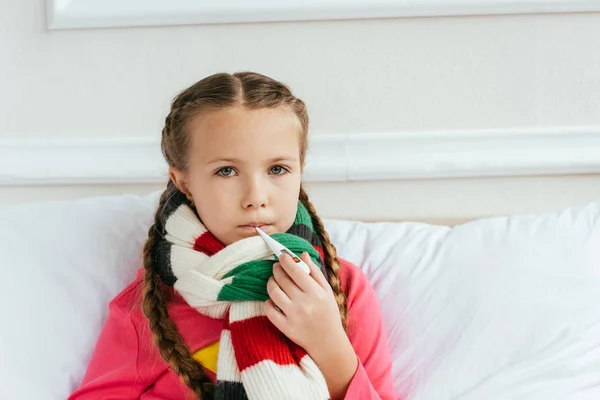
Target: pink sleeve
<point x="112" y="371"/>
<point x="373" y="377"/>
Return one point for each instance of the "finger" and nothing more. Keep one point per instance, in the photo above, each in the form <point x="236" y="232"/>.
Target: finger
<point x="278" y="296"/>
<point x="303" y="280"/>
<point x="285" y="282"/>
<point x="275" y="315"/>
<point x="315" y="271"/>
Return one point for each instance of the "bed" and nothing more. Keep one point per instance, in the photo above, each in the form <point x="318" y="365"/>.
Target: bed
<point x="494" y="308"/>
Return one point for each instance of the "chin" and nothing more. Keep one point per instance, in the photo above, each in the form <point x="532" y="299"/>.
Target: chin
<point x="242" y="236"/>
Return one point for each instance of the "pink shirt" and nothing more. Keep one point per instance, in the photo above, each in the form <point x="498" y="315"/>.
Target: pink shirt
<point x="126" y="364"/>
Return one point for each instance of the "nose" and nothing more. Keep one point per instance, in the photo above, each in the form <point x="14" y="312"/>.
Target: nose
<point x="255" y="194"/>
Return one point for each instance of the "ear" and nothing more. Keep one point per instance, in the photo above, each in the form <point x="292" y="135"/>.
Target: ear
<point x="179" y="178"/>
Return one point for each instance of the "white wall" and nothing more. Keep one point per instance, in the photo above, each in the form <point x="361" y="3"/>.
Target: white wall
<point x="412" y="74"/>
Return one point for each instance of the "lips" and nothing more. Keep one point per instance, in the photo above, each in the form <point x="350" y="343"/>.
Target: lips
<point x="255" y="224"/>
<point x="259" y="224"/>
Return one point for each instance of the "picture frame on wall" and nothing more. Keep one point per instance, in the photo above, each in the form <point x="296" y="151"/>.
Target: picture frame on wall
<point x="79" y="14"/>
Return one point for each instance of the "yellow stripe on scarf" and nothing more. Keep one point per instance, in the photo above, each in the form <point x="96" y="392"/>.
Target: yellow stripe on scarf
<point x="208" y="356"/>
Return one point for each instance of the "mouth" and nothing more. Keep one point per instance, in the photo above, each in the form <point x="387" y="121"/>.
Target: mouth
<point x="250" y="227"/>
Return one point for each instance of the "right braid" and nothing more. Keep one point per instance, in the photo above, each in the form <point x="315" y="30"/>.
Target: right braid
<point x="332" y="264"/>
<point x="164" y="331"/>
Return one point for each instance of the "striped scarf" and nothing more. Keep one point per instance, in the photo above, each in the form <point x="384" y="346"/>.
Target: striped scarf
<point x="256" y="361"/>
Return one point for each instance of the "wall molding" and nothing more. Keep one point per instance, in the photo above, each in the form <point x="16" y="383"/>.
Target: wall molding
<point x="332" y="157"/>
<point x="76" y="14"/>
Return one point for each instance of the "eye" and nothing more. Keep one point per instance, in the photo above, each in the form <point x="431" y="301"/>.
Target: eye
<point x="225" y="171"/>
<point x="278" y="170"/>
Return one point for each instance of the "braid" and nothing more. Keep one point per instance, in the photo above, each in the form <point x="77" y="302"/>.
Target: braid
<point x="332" y="264"/>
<point x="164" y="331"/>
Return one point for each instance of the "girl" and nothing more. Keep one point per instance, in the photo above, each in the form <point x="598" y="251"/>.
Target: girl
<point x="210" y="303"/>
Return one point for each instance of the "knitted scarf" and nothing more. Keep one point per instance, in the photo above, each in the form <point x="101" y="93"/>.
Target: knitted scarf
<point x="256" y="361"/>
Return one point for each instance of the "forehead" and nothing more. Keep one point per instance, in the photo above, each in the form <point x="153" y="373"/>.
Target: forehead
<point x="239" y="132"/>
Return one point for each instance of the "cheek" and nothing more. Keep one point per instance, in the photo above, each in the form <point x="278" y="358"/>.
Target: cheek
<point x="212" y="206"/>
<point x="289" y="198"/>
<point x="209" y="201"/>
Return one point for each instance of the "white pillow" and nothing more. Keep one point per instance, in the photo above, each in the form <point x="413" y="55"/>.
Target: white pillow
<point x="500" y="308"/>
<point x="61" y="263"/>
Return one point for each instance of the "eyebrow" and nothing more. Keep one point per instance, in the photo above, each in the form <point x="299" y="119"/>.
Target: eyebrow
<point x="238" y="161"/>
<point x="228" y="160"/>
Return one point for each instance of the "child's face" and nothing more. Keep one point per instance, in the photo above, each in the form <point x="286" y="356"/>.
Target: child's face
<point x="244" y="170"/>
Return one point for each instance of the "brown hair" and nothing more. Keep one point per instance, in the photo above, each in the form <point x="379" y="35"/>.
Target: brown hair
<point x="217" y="92"/>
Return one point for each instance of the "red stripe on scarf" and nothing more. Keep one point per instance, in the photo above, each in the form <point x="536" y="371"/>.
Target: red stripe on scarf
<point x="208" y="244"/>
<point x="256" y="339"/>
<point x="320" y="251"/>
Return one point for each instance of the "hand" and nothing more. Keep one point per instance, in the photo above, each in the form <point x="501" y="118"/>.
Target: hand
<point x="303" y="307"/>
